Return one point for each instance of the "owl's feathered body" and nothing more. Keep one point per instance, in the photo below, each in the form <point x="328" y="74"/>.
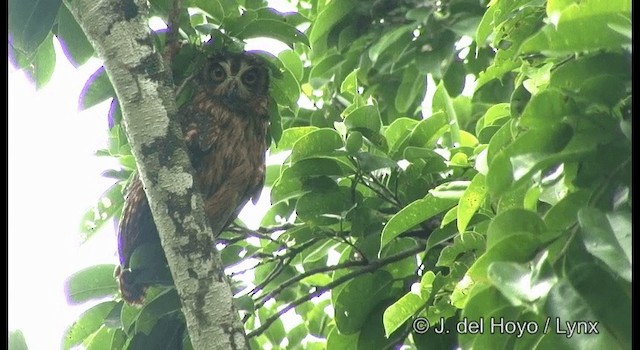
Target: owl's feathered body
<point x="225" y="127"/>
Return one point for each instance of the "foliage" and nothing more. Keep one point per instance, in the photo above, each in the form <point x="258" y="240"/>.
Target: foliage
<point x="505" y="196"/>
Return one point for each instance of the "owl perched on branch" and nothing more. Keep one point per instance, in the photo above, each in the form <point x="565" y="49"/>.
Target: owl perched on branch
<point x="224" y="126"/>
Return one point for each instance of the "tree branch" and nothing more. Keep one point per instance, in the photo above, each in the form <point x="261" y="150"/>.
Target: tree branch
<point x="372" y="266"/>
<point x="119" y="32"/>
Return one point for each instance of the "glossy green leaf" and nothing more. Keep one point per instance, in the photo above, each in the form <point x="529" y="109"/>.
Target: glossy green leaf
<point x="471" y="200"/>
<point x="286" y="90"/>
<point x="365" y="117"/>
<point x="44" y="62"/>
<point x="532" y="151"/>
<point x="414" y="214"/>
<point x="74" y="42"/>
<point x="400" y="311"/>
<point x="599" y="288"/>
<point x="30" y="22"/>
<point x="518" y="247"/>
<point x="580" y="27"/>
<point x="316" y="143"/>
<point x="602" y="242"/>
<point x="322" y="71"/>
<point x="523" y="283"/>
<point x="483" y="300"/>
<point x="358" y="298"/>
<point x="333" y="13"/>
<point x="411" y="87"/>
<point x="323" y="207"/>
<point x="91" y="283"/>
<point x="98" y="88"/>
<point x="275" y="29"/>
<point x="290" y="136"/>
<point x="398" y="131"/>
<point x="164" y="304"/>
<point x="387" y="41"/>
<point x="292" y="62"/>
<point x="88" y="323"/>
<point x="513" y="221"/>
<point x="548" y="107"/>
<point x="565" y="213"/>
<point x="109" y="205"/>
<point x="565" y="304"/>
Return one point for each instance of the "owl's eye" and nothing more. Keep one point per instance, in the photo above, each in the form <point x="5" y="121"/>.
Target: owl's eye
<point x="250" y="77"/>
<point x="217" y="73"/>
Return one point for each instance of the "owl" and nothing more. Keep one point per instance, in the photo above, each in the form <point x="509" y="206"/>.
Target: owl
<point x="224" y="126"/>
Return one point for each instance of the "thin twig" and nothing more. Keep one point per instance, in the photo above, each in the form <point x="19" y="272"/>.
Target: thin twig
<point x="373" y="265"/>
<point x="264" y="298"/>
<point x="171" y="40"/>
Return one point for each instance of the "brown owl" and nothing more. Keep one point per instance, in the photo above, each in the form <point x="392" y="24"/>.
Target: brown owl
<point x="225" y="127"/>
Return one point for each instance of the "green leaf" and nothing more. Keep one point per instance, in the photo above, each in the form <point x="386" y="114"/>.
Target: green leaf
<point x="330" y="15"/>
<point x="603" y="295"/>
<point x="30" y="22"/>
<point x="74" y="42"/>
<point x="109" y="205"/>
<point x="100" y="340"/>
<point x="44" y="62"/>
<point x="275" y="29"/>
<point x="412" y="86"/>
<point x="470" y="241"/>
<point x="17" y="341"/>
<point x="358" y="298"/>
<point x="89" y="322"/>
<point x="165" y="303"/>
<point x="400" y="311"/>
<point x="483" y="300"/>
<point x="513" y="221"/>
<point x="91" y="283"/>
<point x="322" y="71"/>
<point x="166" y="335"/>
<point x="290" y="136"/>
<point x="534" y="150"/>
<point x="365" y="117"/>
<point x="292" y="62"/>
<point x="388" y="40"/>
<point x="580" y="27"/>
<point x="286" y="90"/>
<point x="399" y="131"/>
<point x="98" y="88"/>
<point x="324" y="208"/>
<point x="523" y="283"/>
<point x="424" y="134"/>
<point x="517" y="247"/>
<point x="414" y="214"/>
<point x="316" y="143"/>
<point x="565" y="213"/>
<point x="605" y="244"/>
<point x="442" y="102"/>
<point x="470" y="201"/>
<point x="548" y="107"/>
<point x="565" y="304"/>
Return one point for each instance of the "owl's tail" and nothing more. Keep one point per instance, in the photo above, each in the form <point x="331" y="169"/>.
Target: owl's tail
<point x="132" y="291"/>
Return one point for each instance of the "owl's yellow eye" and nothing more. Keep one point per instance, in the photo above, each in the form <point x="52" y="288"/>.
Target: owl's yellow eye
<point x="217" y="73"/>
<point x="250" y="77"/>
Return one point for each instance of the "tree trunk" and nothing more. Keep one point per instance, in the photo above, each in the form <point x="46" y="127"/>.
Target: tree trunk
<point x="119" y="32"/>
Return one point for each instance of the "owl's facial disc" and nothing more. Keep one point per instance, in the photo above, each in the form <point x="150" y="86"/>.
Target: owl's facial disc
<point x="235" y="79"/>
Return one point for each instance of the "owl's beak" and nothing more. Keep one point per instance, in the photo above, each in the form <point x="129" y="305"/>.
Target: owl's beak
<point x="232" y="93"/>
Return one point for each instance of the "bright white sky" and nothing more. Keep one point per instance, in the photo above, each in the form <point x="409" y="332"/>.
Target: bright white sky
<point x="53" y="179"/>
